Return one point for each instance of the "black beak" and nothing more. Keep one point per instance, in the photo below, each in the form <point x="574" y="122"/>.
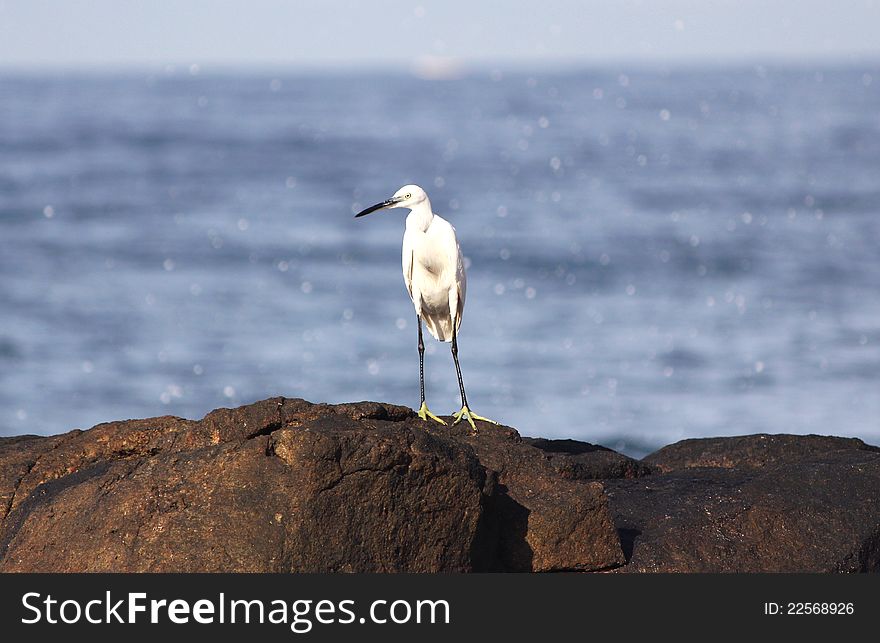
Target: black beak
<point x="378" y="206"/>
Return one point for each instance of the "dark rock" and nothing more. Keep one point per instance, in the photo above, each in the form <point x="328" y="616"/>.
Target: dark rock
<point x="753" y="504"/>
<point x="20" y="454"/>
<point x="749" y="451"/>
<point x="544" y="521"/>
<point x="576" y="460"/>
<point x="285" y="485"/>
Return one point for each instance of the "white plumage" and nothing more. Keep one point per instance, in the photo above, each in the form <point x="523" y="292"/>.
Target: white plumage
<point x="433" y="271"/>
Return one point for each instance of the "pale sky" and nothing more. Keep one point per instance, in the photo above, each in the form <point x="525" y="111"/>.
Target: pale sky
<point x="382" y="33"/>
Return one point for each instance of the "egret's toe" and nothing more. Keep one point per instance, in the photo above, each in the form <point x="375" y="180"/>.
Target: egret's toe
<point x="424" y="413"/>
<point x="470" y="416"/>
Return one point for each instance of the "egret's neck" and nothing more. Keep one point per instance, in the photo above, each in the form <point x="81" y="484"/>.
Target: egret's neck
<point x="420" y="217"/>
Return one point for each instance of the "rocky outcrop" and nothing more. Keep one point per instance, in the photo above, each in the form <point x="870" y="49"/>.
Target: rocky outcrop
<point x="577" y="460"/>
<point x="284" y="485"/>
<point x="759" y="503"/>
<point x="750" y="451"/>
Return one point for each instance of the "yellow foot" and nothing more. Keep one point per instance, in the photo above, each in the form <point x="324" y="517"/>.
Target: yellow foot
<point x="424" y="413"/>
<point x="470" y="416"/>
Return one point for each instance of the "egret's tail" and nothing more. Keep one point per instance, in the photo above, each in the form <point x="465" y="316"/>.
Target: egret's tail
<point x="440" y="326"/>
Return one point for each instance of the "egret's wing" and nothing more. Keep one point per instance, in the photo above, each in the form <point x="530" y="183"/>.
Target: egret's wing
<point x="460" y="279"/>
<point x="407" y="262"/>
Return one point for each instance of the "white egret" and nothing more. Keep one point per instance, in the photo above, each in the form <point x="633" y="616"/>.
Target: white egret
<point x="433" y="270"/>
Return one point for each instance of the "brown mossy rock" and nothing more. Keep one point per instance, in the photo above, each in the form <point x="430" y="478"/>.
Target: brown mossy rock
<point x="284" y="485"/>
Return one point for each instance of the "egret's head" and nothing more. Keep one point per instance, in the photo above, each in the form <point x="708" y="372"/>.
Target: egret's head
<point x="409" y="196"/>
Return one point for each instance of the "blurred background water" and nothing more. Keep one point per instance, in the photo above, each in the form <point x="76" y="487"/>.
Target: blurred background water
<point x="654" y="254"/>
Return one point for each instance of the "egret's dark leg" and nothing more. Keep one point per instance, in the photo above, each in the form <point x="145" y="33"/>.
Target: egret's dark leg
<point x="458" y="367"/>
<point x="465" y="412"/>
<point x="421" y="361"/>
<point x="424" y="413"/>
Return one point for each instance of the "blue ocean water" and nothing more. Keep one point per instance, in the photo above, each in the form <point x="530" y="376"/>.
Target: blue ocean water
<point x="653" y="254"/>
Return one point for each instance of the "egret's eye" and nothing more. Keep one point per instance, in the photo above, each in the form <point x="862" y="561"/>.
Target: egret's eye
<point x="408" y="196"/>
